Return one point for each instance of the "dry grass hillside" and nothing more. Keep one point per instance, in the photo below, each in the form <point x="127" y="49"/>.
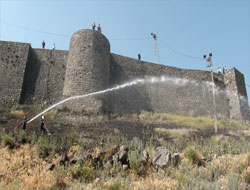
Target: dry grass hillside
<point x="120" y="152"/>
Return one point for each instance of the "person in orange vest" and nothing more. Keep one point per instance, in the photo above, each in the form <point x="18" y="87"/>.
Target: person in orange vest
<point x="99" y="29"/>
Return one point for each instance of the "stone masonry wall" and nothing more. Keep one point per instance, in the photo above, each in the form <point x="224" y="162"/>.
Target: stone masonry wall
<point x="192" y="98"/>
<point x="13" y="60"/>
<point x="87" y="69"/>
<point x="37" y="76"/>
<point x="238" y="104"/>
<point x="44" y="77"/>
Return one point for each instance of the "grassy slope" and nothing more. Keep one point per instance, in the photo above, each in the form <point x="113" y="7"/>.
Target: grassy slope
<point x="193" y="137"/>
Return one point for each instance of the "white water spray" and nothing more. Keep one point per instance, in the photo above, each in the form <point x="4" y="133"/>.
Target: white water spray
<point x="90" y="94"/>
<point x="176" y="81"/>
<point x="161" y="79"/>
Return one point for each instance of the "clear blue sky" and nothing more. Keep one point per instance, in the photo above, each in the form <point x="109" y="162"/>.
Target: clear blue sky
<point x="192" y="27"/>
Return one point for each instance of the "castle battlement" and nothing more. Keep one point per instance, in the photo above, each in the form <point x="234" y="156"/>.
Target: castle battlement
<point x="42" y="76"/>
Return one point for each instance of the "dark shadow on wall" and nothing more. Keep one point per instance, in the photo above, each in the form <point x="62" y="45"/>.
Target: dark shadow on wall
<point x="30" y="78"/>
<point x="132" y="99"/>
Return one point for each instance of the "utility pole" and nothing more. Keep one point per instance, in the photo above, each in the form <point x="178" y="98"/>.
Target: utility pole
<point x="210" y="64"/>
<point x="154" y="37"/>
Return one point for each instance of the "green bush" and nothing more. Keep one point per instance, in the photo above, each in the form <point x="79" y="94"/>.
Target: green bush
<point x="117" y="185"/>
<point x="80" y="171"/>
<point x="23" y="137"/>
<point x="45" y="148"/>
<point x="63" y="109"/>
<point x="134" y="154"/>
<point x="26" y="108"/>
<point x="2" y="110"/>
<point x="74" y="140"/>
<point x="192" y="155"/>
<point x="247" y="177"/>
<point x="7" y="140"/>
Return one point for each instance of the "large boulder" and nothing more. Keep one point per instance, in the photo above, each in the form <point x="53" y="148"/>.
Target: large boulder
<point x="81" y="156"/>
<point x="162" y="158"/>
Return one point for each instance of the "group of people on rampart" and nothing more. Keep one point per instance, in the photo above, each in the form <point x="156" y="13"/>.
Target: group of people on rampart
<point x="222" y="71"/>
<point x="53" y="46"/>
<point x="99" y="28"/>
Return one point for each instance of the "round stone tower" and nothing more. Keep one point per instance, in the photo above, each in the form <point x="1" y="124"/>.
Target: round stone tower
<point x="87" y="67"/>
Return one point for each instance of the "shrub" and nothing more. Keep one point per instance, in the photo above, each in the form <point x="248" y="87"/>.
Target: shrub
<point x="2" y="109"/>
<point x="23" y="137"/>
<point x="80" y="171"/>
<point x="60" y="175"/>
<point x="116" y="185"/>
<point x="45" y="148"/>
<point x="192" y="155"/>
<point x="150" y="148"/>
<point x="63" y="109"/>
<point x="17" y="113"/>
<point x="134" y="154"/>
<point x="7" y="140"/>
<point x="75" y="140"/>
<point x="50" y="114"/>
<point x="247" y="177"/>
<point x="21" y="108"/>
<point x="248" y="159"/>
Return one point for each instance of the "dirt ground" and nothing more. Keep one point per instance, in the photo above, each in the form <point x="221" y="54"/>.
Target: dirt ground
<point x="111" y="128"/>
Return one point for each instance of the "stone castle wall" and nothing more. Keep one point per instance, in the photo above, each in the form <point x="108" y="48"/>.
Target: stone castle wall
<point x="186" y="92"/>
<point x="38" y="76"/>
<point x="13" y="59"/>
<point x="44" y="76"/>
<point x="236" y="91"/>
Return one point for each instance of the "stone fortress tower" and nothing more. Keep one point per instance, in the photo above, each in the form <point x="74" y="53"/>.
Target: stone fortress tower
<point x="87" y="68"/>
<point x="43" y="76"/>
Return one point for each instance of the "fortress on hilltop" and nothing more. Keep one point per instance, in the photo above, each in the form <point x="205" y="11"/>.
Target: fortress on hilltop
<point x="43" y="76"/>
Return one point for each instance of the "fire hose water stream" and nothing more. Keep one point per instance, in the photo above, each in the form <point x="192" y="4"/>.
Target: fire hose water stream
<point x="173" y="80"/>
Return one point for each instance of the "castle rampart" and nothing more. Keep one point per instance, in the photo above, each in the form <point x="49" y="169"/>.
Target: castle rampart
<point x="41" y="76"/>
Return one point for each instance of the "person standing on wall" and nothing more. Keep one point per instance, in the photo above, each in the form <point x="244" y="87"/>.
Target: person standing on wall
<point x="224" y="70"/>
<point x="23" y="123"/>
<point x="93" y="26"/>
<point x="219" y="70"/>
<point x="43" y="44"/>
<point x="139" y="56"/>
<point x="99" y="29"/>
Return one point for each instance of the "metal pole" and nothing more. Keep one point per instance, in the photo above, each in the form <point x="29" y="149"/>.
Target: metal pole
<point x="214" y="101"/>
<point x="154" y="37"/>
<point x="155" y="50"/>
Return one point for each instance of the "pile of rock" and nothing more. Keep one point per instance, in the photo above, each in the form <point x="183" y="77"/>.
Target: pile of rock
<point x="120" y="154"/>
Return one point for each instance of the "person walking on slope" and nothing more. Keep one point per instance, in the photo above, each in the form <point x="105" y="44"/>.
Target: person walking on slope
<point x="99" y="29"/>
<point x="43" y="44"/>
<point x="23" y="123"/>
<point x="43" y="127"/>
<point x="93" y="26"/>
